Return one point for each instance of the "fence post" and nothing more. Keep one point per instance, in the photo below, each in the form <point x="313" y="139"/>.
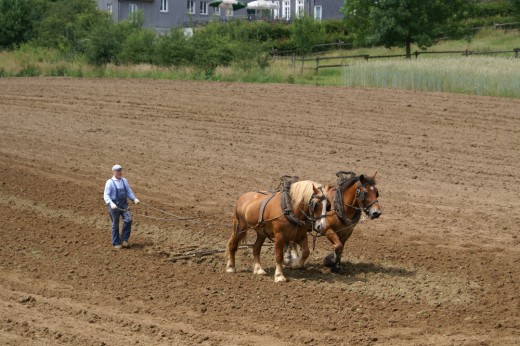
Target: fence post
<point x="516" y="52"/>
<point x="366" y="57"/>
<point x="416" y="53"/>
<point x="317" y="62"/>
<point x="293" y="60"/>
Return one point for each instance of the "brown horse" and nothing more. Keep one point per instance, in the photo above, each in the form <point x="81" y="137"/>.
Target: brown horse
<point x="309" y="203"/>
<point x="351" y="197"/>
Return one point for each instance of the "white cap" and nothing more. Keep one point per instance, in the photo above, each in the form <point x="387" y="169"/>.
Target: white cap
<point x="116" y="167"/>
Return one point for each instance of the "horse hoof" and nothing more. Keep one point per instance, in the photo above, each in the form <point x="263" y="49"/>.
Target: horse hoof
<point x="280" y="279"/>
<point x="335" y="269"/>
<point x="298" y="267"/>
<point x="231" y="270"/>
<point x="259" y="272"/>
<point x="329" y="261"/>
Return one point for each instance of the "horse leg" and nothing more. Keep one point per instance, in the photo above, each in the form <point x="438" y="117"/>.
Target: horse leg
<point x="290" y="255"/>
<point x="257" y="247"/>
<point x="278" y="246"/>
<point x="333" y="260"/>
<point x="239" y="232"/>
<point x="304" y="245"/>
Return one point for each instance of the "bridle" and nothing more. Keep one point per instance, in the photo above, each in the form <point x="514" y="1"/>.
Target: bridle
<point x="361" y="194"/>
<point x="360" y="198"/>
<point x="313" y="203"/>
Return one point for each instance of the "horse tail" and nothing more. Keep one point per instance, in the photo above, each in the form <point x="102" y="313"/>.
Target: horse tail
<point x="235" y="232"/>
<point x="238" y="232"/>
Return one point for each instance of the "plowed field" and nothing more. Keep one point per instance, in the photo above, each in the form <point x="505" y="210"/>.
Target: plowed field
<point x="441" y="266"/>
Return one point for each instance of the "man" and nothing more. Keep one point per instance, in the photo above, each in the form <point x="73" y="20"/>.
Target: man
<point x="117" y="193"/>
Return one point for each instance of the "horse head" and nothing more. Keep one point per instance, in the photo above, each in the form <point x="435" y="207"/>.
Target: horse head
<point x="319" y="205"/>
<point x="367" y="196"/>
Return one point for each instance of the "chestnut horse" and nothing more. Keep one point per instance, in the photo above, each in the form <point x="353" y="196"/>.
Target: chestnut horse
<point x="357" y="194"/>
<point x="351" y="196"/>
<point x="309" y="203"/>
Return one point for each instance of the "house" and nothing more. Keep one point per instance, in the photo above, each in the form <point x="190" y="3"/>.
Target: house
<point x="165" y="14"/>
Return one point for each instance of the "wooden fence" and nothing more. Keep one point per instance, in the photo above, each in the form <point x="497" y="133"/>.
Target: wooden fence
<point x="319" y="60"/>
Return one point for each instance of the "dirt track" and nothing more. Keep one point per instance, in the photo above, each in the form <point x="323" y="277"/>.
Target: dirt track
<point x="441" y="266"/>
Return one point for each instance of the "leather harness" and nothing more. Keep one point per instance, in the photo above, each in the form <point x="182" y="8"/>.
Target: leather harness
<point x="345" y="178"/>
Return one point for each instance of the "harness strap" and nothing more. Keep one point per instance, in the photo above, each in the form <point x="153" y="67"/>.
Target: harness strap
<point x="262" y="208"/>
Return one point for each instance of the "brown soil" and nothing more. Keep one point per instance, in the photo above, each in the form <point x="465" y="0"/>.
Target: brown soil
<point x="441" y="266"/>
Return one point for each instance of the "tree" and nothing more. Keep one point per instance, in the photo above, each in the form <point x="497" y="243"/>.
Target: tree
<point x="306" y="33"/>
<point x="401" y="22"/>
<point x="66" y="23"/>
<point x="516" y="6"/>
<point x="14" y="22"/>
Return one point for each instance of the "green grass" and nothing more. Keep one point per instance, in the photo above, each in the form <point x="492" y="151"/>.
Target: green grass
<point x="481" y="75"/>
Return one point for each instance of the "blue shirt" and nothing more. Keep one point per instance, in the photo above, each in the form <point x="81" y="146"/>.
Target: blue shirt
<point x="110" y="190"/>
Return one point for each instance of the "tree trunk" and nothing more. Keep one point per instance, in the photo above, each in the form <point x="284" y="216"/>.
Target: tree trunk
<point x="408" y="49"/>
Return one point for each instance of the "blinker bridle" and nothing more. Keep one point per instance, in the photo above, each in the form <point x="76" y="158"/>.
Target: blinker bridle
<point x="361" y="191"/>
<point x="313" y="203"/>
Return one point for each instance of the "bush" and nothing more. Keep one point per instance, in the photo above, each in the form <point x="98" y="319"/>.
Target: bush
<point x="211" y="50"/>
<point x="103" y="43"/>
<point x="173" y="49"/>
<point x="138" y="47"/>
<point x="67" y="23"/>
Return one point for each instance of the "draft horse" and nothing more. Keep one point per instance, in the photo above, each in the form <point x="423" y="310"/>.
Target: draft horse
<point x="264" y="213"/>
<point x="352" y="196"/>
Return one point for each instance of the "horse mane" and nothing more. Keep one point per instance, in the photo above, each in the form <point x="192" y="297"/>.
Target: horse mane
<point x="302" y="191"/>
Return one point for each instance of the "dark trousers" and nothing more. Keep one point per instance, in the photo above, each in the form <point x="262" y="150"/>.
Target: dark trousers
<point x="127" y="225"/>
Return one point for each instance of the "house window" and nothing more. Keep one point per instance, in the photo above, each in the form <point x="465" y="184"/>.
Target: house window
<point x="300" y="8"/>
<point x="191" y="6"/>
<point x="204" y="7"/>
<point x="133" y="8"/>
<point x="276" y="11"/>
<point x="216" y="11"/>
<point x="286" y="10"/>
<point x="317" y="13"/>
<point x="164" y="6"/>
<point x="109" y="8"/>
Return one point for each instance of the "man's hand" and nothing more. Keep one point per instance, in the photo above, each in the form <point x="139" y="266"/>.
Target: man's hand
<point x="136" y="201"/>
<point x="113" y="205"/>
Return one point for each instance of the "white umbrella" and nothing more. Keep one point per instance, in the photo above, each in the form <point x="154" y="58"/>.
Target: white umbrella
<point x="262" y="5"/>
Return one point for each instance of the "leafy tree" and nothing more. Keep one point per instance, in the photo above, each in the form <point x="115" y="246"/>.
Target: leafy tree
<point x="306" y="33"/>
<point x="173" y="49"/>
<point x="113" y="42"/>
<point x="66" y="23"/>
<point x="104" y="42"/>
<point x="14" y="22"/>
<point x="138" y="47"/>
<point x="211" y="50"/>
<point x="516" y="6"/>
<point x="401" y="22"/>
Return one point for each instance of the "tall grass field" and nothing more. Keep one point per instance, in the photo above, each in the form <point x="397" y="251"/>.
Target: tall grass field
<point x="478" y="75"/>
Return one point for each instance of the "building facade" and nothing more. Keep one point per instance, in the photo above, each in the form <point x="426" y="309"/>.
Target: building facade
<point x="162" y="15"/>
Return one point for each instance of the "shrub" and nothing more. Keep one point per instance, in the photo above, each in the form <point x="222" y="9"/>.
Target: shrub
<point x="173" y="49"/>
<point x="138" y="47"/>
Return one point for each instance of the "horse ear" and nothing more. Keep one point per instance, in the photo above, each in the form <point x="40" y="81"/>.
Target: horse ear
<point x="362" y="179"/>
<point x="374" y="176"/>
<point x="316" y="191"/>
